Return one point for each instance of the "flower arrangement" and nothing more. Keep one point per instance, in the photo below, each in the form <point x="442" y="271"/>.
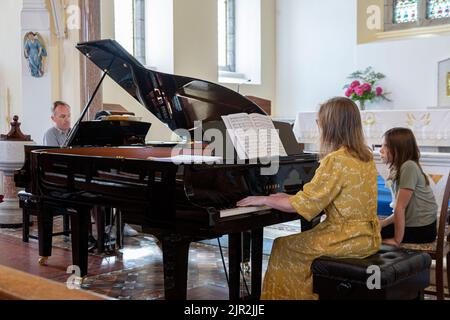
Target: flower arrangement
<point x="364" y="87"/>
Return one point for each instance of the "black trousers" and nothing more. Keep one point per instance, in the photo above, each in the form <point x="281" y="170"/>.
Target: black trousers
<point x="423" y="234"/>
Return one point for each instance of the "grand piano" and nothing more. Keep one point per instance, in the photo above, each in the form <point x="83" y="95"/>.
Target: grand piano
<point x="177" y="202"/>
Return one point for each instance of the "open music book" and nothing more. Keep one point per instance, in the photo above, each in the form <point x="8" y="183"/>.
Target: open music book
<point x="254" y="136"/>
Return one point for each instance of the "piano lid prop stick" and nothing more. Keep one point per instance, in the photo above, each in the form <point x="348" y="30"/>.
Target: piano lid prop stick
<point x="83" y="113"/>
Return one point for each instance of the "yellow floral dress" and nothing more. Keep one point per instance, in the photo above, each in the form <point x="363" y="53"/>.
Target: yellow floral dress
<point x="346" y="188"/>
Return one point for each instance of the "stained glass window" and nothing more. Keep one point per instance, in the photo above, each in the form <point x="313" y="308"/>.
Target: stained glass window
<point x="405" y="11"/>
<point x="438" y="9"/>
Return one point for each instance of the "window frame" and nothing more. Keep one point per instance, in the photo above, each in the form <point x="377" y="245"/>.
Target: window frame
<point x="231" y="37"/>
<point x="422" y="19"/>
<point x="139" y="32"/>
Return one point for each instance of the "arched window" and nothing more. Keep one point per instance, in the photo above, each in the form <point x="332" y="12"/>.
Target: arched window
<point x="404" y="14"/>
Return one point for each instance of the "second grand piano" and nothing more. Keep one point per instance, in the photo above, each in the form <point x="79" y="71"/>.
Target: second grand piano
<point x="177" y="202"/>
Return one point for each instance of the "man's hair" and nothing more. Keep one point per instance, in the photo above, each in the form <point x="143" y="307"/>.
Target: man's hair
<point x="58" y="103"/>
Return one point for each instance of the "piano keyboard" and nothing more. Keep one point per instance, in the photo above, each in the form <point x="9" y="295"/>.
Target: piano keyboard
<point x="241" y="210"/>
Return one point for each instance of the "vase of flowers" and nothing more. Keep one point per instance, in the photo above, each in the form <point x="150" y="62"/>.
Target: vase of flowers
<point x="364" y="87"/>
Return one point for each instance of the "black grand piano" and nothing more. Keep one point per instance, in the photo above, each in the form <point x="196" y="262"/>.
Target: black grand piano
<point x="177" y="202"/>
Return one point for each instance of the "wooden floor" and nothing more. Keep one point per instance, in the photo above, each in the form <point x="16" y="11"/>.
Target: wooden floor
<point x="24" y="256"/>
<point x="106" y="277"/>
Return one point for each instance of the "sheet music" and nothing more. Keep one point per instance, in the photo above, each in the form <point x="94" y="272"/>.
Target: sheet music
<point x="254" y="135"/>
<point x="273" y="141"/>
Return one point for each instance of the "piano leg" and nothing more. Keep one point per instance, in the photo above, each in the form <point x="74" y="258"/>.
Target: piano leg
<point x="45" y="233"/>
<point x="175" y="250"/>
<point x="235" y="259"/>
<point x="99" y="214"/>
<point x="237" y="255"/>
<point x="257" y="258"/>
<point x="80" y="221"/>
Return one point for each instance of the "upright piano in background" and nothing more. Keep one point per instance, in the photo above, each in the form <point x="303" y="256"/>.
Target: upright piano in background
<point x="178" y="203"/>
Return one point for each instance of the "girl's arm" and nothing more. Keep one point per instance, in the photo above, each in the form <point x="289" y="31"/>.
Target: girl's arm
<point x="387" y="221"/>
<point x="403" y="198"/>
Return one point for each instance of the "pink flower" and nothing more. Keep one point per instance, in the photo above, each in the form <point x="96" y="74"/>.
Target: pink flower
<point x="378" y="91"/>
<point x="349" y="92"/>
<point x="355" y="84"/>
<point x="366" y="87"/>
<point x="359" y="91"/>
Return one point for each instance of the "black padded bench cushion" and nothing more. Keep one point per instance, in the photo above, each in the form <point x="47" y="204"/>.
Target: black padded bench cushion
<point x="395" y="264"/>
<point x="401" y="270"/>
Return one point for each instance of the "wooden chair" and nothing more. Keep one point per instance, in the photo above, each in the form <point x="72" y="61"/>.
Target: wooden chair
<point x="439" y="249"/>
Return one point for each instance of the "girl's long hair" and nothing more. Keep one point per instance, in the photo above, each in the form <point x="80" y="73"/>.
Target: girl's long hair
<point x="340" y="126"/>
<point x="402" y="146"/>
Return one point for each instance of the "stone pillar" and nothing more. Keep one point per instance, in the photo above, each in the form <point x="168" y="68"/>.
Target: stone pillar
<point x="36" y="91"/>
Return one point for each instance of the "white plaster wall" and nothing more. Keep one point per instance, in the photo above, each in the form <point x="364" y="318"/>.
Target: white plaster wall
<point x="195" y="38"/>
<point x="317" y="49"/>
<point x="194" y="53"/>
<point x="113" y="93"/>
<point x="36" y="92"/>
<point x="10" y="59"/>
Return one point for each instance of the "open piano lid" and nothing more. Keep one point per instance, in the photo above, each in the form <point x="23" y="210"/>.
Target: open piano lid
<point x="175" y="100"/>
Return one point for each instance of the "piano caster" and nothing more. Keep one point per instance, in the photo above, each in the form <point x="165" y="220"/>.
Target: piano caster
<point x="43" y="261"/>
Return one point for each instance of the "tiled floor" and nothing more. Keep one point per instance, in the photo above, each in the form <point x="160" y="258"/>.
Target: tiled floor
<point x="135" y="272"/>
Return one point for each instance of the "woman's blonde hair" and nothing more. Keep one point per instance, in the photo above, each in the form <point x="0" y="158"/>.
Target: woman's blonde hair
<point x="340" y="126"/>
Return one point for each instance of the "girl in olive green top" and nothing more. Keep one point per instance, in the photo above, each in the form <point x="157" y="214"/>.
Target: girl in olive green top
<point x="415" y="208"/>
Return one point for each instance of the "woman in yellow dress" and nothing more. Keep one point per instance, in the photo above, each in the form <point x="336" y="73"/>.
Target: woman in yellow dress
<point x="345" y="187"/>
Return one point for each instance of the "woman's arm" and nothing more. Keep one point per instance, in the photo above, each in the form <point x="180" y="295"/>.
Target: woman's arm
<point x="315" y="196"/>
<point x="403" y="198"/>
<point x="280" y="203"/>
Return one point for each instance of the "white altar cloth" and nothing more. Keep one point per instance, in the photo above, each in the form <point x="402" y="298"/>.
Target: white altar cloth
<point x="431" y="127"/>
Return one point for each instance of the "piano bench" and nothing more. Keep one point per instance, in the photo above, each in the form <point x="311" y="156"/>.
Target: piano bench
<point x="29" y="208"/>
<point x="396" y="274"/>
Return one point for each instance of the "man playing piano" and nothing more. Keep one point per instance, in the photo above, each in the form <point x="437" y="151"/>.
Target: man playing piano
<point x="56" y="135"/>
<point x="345" y="187"/>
